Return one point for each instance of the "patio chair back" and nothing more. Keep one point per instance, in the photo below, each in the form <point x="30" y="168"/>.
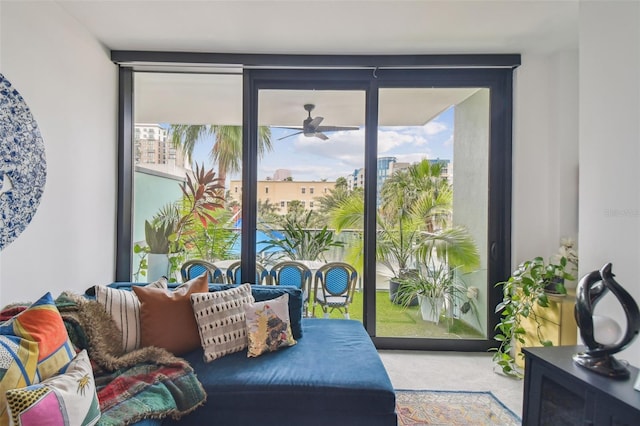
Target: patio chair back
<point x="233" y="274"/>
<point x="196" y="267"/>
<point x="295" y="274"/>
<point x="334" y="286"/>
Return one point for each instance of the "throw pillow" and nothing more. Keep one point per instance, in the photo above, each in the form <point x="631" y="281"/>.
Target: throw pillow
<point x="221" y="320"/>
<point x="66" y="399"/>
<point x="166" y="317"/>
<point x="268" y="326"/>
<point x="41" y="323"/>
<point x="18" y="363"/>
<point x="34" y="345"/>
<point x="124" y="308"/>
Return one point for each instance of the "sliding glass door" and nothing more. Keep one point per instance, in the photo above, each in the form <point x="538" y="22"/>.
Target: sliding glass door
<point x="432" y="201"/>
<point x="403" y="175"/>
<point x="305" y="183"/>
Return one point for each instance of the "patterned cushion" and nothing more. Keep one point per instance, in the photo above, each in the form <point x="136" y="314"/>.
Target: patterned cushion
<point x="221" y="320"/>
<point x="35" y="345"/>
<point x="268" y="325"/>
<point x="18" y="363"/>
<point x="124" y="308"/>
<point x="66" y="399"/>
<point x="42" y="323"/>
<point x="166" y="317"/>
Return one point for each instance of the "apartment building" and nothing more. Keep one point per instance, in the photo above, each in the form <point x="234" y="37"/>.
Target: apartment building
<point x="153" y="150"/>
<point x="281" y="193"/>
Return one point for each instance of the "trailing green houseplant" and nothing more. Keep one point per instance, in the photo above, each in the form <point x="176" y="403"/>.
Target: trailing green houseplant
<point x="530" y="285"/>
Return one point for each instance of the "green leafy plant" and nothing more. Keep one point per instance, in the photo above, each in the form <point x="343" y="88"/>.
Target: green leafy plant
<point x="176" y="226"/>
<point x="157" y="236"/>
<point x="300" y="241"/>
<point x="437" y="278"/>
<point x="529" y="285"/>
<point x="433" y="283"/>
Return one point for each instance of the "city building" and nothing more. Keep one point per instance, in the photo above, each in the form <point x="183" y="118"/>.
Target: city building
<point x="281" y="193"/>
<point x="356" y="179"/>
<point x="154" y="151"/>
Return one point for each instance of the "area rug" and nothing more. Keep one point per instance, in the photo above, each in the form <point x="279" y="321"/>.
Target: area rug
<point x="452" y="408"/>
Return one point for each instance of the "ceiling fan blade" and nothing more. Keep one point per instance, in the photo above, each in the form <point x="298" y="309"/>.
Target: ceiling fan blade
<point x="315" y="122"/>
<point x="321" y="135"/>
<point x="335" y="128"/>
<point x="288" y="128"/>
<point x="288" y="136"/>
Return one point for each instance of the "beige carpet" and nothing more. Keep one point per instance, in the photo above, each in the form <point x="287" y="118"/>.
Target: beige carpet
<point x="452" y="408"/>
<point x="452" y="371"/>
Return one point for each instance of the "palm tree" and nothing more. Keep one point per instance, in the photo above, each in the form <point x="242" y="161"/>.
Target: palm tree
<point x="419" y="190"/>
<point x="227" y="148"/>
<point x="413" y="220"/>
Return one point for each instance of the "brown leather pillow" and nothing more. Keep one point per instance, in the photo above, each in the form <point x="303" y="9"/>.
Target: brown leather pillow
<point x="166" y="317"/>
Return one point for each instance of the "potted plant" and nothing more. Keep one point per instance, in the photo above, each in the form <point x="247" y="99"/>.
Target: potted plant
<point x="441" y="257"/>
<point x="158" y="248"/>
<point x="532" y="284"/>
<point x="176" y="225"/>
<point x="395" y="250"/>
<point x="429" y="287"/>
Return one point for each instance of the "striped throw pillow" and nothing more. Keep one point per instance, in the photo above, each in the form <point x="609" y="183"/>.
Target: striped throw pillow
<point x="124" y="308"/>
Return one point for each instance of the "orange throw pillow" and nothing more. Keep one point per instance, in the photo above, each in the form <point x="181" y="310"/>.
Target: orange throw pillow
<point x="166" y="317"/>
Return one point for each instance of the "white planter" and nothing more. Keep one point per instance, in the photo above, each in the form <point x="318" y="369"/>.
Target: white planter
<point x="158" y="266"/>
<point x="430" y="308"/>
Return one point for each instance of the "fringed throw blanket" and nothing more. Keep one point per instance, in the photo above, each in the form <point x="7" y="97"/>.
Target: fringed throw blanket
<point x="145" y="383"/>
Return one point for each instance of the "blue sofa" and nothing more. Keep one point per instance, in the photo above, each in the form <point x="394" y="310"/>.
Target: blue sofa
<point x="332" y="376"/>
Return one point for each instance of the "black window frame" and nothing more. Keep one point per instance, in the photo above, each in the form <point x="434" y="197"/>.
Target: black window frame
<point x="371" y="73"/>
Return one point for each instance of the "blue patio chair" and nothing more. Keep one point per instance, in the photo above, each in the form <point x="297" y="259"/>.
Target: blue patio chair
<point x="196" y="267"/>
<point x="334" y="286"/>
<point x="233" y="274"/>
<point x="295" y="274"/>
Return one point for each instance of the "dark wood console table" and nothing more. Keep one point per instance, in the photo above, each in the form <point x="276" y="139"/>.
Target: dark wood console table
<point x="558" y="392"/>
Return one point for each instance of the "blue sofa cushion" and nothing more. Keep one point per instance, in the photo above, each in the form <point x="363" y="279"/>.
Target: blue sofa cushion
<point x="334" y="370"/>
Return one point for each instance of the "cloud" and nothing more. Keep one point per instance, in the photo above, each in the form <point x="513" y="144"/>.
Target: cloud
<point x="310" y="158"/>
<point x="413" y="157"/>
<point x="434" y="127"/>
<point x="388" y="140"/>
<point x="448" y="142"/>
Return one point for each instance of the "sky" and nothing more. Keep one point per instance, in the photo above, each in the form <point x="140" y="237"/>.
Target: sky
<point x="315" y="159"/>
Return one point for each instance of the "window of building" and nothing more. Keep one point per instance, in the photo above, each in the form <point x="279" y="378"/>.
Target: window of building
<point x="304" y="190"/>
<point x="266" y="189"/>
<point x="311" y="190"/>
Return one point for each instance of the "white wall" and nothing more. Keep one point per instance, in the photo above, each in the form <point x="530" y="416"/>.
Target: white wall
<point x="70" y="85"/>
<point x="609" y="147"/>
<point x="545" y="154"/>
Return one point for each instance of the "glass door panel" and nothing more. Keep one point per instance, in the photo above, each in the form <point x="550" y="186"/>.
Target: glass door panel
<point x="432" y="200"/>
<point x="310" y="206"/>
<point x="187" y="135"/>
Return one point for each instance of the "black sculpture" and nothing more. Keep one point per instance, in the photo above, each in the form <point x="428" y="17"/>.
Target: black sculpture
<point x="599" y="357"/>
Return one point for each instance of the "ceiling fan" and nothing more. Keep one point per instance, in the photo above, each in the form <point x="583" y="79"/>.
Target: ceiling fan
<point x="311" y="126"/>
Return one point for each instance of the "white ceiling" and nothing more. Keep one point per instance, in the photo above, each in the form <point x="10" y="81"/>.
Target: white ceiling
<point x="217" y="99"/>
<point x="375" y="27"/>
<point x="331" y="26"/>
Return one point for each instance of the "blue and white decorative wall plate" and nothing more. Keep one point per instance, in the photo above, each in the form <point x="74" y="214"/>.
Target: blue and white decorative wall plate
<point x="23" y="168"/>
